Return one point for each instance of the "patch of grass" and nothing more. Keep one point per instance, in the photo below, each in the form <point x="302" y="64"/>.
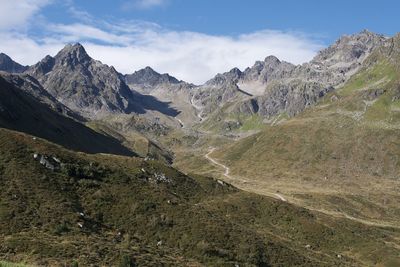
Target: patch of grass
<point x="376" y="75"/>
<point x="10" y="264"/>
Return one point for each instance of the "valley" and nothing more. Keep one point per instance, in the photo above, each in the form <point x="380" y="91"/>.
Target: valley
<point x="276" y="165"/>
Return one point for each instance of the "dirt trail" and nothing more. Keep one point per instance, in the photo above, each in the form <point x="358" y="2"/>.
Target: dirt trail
<point x="227" y="171"/>
<point x="280" y="197"/>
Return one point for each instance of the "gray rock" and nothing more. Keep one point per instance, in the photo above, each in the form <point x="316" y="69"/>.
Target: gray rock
<point x="272" y="86"/>
<point x="9" y="65"/>
<point x="84" y="85"/>
<point x="147" y="79"/>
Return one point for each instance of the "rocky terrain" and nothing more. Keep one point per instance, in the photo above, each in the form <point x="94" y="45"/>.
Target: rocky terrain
<point x="83" y="84"/>
<point x="271" y="87"/>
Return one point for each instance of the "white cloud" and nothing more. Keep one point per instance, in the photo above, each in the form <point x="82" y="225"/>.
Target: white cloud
<point x="197" y="57"/>
<point x="143" y="4"/>
<point x="131" y="45"/>
<point x="17" y="13"/>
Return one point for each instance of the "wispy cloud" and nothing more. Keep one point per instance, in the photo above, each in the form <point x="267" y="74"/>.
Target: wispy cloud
<point x="131" y="45"/>
<point x="143" y="4"/>
<point x="16" y="14"/>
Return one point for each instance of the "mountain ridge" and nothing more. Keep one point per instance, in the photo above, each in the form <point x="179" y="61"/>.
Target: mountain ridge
<point x="266" y="89"/>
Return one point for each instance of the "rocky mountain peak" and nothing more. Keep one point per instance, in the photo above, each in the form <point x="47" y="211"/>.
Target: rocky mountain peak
<point x="9" y="65"/>
<point x="350" y="48"/>
<point x="73" y="54"/>
<point x="270" y="68"/>
<point x="271" y="60"/>
<point x="148" y="77"/>
<point x="235" y="72"/>
<point x="231" y="76"/>
<point x="83" y="84"/>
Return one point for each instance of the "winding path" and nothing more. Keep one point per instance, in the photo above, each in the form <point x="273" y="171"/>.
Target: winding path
<point x="227" y="171"/>
<point x="280" y="197"/>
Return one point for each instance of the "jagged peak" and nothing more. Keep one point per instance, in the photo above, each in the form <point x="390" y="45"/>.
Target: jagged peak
<point x="148" y="71"/>
<point x="74" y="51"/>
<point x="235" y="71"/>
<point x="72" y="47"/>
<point x="47" y="58"/>
<point x="148" y="68"/>
<point x="272" y="59"/>
<point x="9" y="65"/>
<point x="149" y="76"/>
<point x="366" y="31"/>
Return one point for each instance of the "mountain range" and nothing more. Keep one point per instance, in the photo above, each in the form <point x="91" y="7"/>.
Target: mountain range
<point x="275" y="165"/>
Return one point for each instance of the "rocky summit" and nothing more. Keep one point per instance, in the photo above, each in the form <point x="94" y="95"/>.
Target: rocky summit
<point x="83" y="84"/>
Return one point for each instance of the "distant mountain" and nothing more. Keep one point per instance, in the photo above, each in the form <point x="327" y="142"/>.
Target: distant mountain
<point x="21" y="111"/>
<point x="220" y="79"/>
<point x="83" y="84"/>
<point x="145" y="80"/>
<point x="9" y="65"/>
<point x="275" y="86"/>
<point x="268" y="88"/>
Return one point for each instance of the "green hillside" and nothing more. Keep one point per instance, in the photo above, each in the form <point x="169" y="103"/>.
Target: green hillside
<point x="104" y="210"/>
<point x="341" y="156"/>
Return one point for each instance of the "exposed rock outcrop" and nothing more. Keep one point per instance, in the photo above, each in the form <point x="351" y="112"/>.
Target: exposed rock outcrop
<point x="84" y="84"/>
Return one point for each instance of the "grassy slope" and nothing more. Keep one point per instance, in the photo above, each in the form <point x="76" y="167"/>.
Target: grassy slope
<point x="133" y="140"/>
<point x="9" y="264"/>
<point x="198" y="220"/>
<point x="340" y="156"/>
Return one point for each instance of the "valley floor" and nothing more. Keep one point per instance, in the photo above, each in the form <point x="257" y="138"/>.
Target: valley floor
<point x="362" y="203"/>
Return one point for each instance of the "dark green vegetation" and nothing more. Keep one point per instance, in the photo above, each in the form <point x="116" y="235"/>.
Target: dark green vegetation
<point x="10" y="264"/>
<point x="113" y="210"/>
<point x="20" y="111"/>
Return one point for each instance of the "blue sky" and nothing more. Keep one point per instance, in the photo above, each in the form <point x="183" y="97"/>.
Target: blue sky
<point x="191" y="39"/>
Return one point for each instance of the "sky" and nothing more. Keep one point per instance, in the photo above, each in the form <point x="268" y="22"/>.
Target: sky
<point x="191" y="39"/>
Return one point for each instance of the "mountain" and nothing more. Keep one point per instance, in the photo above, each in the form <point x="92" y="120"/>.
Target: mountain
<point x="166" y="89"/>
<point x="220" y="79"/>
<point x="145" y="80"/>
<point x="84" y="85"/>
<point x="321" y="151"/>
<point x="23" y="112"/>
<point x="306" y="84"/>
<point x="9" y="65"/>
<point x="340" y="155"/>
<point x="276" y="87"/>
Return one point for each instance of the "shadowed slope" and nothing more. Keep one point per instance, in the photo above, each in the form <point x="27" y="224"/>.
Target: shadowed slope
<point x="20" y="111"/>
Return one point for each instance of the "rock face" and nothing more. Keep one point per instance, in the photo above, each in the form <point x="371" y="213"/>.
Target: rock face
<point x="168" y="90"/>
<point x="84" y="85"/>
<point x="272" y="86"/>
<point x="232" y="76"/>
<point x="9" y="65"/>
